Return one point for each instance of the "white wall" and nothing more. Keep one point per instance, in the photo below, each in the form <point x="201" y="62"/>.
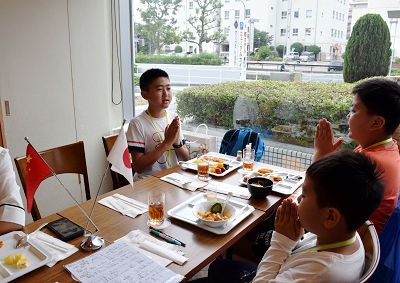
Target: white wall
<point x="55" y="69"/>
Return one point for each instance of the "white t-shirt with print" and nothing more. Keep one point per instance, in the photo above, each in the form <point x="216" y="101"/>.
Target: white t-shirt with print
<point x="143" y="137"/>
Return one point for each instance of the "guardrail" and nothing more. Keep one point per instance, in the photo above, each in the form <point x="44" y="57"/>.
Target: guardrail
<point x="275" y="66"/>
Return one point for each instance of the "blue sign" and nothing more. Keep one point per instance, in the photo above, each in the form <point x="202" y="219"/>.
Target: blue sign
<point x="241" y="26"/>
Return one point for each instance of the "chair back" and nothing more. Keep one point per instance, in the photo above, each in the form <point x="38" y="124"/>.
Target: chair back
<point x="64" y="159"/>
<point x="370" y="241"/>
<point x="117" y="179"/>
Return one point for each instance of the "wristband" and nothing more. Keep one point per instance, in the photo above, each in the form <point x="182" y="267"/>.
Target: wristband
<point x="178" y="146"/>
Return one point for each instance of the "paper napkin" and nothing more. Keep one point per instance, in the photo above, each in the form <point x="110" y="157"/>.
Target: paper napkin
<point x="223" y="188"/>
<point x="124" y="205"/>
<point x="58" y="249"/>
<point x="185" y="182"/>
<point x="160" y="251"/>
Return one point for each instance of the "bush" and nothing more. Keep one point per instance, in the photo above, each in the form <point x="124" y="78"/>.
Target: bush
<point x="263" y="52"/>
<point x="280" y="103"/>
<point x="368" y="49"/>
<point x="276" y="59"/>
<point x="280" y="49"/>
<point x="178" y="49"/>
<point x="200" y="59"/>
<point x="298" y="47"/>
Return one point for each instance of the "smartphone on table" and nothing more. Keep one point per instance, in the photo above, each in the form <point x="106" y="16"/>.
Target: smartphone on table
<point x="65" y="229"/>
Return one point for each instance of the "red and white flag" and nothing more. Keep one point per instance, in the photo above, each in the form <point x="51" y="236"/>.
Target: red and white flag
<point x="119" y="157"/>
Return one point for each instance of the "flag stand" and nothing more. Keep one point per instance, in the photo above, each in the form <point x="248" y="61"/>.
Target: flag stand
<point x="93" y="242"/>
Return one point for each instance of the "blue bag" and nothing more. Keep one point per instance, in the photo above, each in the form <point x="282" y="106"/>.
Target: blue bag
<point x="235" y="140"/>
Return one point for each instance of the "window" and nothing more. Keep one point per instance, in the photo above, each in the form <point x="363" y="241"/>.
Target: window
<point x="247" y="13"/>
<point x="335" y="33"/>
<point x="284" y="15"/>
<point x="226" y="1"/>
<point x="333" y="16"/>
<point x="295" y="31"/>
<point x="237" y="13"/>
<point x="226" y="31"/>
<point x="337" y="15"/>
<point x="283" y="31"/>
<point x="308" y="13"/>
<point x="190" y="5"/>
<point x="296" y="14"/>
<point x="308" y="31"/>
<point x="226" y="15"/>
<point x="341" y="34"/>
<point x="332" y="32"/>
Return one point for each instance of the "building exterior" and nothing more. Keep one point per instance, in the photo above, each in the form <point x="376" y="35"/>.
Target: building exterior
<point x="358" y="8"/>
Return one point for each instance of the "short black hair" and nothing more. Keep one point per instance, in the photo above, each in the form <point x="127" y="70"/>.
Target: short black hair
<point x="350" y="182"/>
<point x="149" y="76"/>
<point x="381" y="97"/>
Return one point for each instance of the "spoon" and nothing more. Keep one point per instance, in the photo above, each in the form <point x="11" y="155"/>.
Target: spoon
<point x="24" y="240"/>
<point x="226" y="201"/>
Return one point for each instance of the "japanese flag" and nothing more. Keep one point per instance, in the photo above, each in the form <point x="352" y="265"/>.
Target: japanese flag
<point x="119" y="157"/>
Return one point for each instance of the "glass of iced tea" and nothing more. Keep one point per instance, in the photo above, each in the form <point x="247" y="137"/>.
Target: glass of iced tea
<point x="248" y="159"/>
<point x="156" y="207"/>
<point x="203" y="167"/>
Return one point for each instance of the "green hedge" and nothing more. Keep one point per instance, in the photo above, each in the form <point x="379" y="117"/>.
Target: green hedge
<point x="199" y="59"/>
<point x="282" y="105"/>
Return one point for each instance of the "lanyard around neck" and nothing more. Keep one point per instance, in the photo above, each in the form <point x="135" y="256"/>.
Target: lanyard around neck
<point x="329" y="246"/>
<point x="169" y="149"/>
<point x="376" y="144"/>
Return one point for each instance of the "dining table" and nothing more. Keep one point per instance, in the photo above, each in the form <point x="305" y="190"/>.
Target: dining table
<point x="202" y="246"/>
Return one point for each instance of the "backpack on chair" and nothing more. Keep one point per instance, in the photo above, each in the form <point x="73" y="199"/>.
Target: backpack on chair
<point x="235" y="140"/>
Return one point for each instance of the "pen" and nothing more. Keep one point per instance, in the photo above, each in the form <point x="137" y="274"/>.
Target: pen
<point x="166" y="237"/>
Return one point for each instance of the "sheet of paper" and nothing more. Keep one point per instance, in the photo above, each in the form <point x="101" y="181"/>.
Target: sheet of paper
<point x="120" y="262"/>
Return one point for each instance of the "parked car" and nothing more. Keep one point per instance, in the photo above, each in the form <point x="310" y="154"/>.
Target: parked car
<point x="291" y="56"/>
<point x="336" y="66"/>
<point x="307" y="56"/>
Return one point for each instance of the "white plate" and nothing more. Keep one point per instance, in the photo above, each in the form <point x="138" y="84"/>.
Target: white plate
<point x="184" y="213"/>
<point x="36" y="256"/>
<point x="233" y="164"/>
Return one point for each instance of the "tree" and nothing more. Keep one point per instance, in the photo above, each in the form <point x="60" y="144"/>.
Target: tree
<point x="368" y="49"/>
<point x="159" y="23"/>
<point x="206" y="23"/>
<point x="262" y="38"/>
<point x="178" y="49"/>
<point x="314" y="49"/>
<point x="280" y="49"/>
<point x="263" y="52"/>
<point x="298" y="47"/>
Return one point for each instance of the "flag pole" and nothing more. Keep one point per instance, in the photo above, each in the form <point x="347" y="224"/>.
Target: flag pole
<point x="55" y="175"/>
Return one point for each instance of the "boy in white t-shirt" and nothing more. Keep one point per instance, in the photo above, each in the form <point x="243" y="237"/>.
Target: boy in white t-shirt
<point x="340" y="192"/>
<point x="154" y="137"/>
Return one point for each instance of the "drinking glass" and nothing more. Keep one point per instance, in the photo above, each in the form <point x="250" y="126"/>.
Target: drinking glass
<point x="248" y="159"/>
<point x="156" y="207"/>
<point x="203" y="167"/>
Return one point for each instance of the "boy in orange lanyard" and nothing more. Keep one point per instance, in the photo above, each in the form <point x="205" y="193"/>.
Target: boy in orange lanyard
<point x="374" y="117"/>
<point x="154" y="137"/>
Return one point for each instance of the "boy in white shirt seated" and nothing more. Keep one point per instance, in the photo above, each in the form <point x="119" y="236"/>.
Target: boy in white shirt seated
<point x="154" y="137"/>
<point x="12" y="213"/>
<point x="339" y="194"/>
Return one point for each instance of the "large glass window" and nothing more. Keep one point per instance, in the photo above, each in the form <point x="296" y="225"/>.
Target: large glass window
<point x="284" y="15"/>
<point x="226" y="15"/>
<point x="237" y="13"/>
<point x="283" y="31"/>
<point x="247" y="13"/>
<point x="295" y="31"/>
<point x="307" y="31"/>
<point x="308" y="13"/>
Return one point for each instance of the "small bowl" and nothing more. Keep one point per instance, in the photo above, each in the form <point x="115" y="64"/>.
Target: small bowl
<point x="205" y="206"/>
<point x="257" y="191"/>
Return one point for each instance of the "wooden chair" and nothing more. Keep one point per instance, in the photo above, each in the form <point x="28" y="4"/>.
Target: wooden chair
<point x="64" y="159"/>
<point x="372" y="249"/>
<point x="117" y="179"/>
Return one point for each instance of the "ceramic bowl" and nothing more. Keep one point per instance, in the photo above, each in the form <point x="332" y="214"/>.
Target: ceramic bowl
<point x="259" y="187"/>
<point x="205" y="206"/>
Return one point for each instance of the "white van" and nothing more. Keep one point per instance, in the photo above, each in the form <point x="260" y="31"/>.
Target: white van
<point x="291" y="56"/>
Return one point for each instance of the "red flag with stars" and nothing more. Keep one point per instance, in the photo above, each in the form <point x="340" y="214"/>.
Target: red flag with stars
<point x="35" y="172"/>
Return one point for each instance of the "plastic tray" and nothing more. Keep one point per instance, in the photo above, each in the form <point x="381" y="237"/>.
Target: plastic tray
<point x="233" y="164"/>
<point x="36" y="256"/>
<point x="184" y="213"/>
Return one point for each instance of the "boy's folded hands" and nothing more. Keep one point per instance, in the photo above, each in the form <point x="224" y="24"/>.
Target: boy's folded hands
<point x="287" y="220"/>
<point x="172" y="132"/>
<point x="324" y="141"/>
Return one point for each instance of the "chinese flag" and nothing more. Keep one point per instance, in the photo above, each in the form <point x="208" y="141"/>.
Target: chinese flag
<point x="35" y="172"/>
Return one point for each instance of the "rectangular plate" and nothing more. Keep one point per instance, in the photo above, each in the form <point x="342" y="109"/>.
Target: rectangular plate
<point x="288" y="185"/>
<point x="184" y="212"/>
<point x="233" y="164"/>
<point x="37" y="257"/>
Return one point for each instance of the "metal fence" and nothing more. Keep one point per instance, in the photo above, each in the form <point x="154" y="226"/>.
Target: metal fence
<point x="286" y="158"/>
